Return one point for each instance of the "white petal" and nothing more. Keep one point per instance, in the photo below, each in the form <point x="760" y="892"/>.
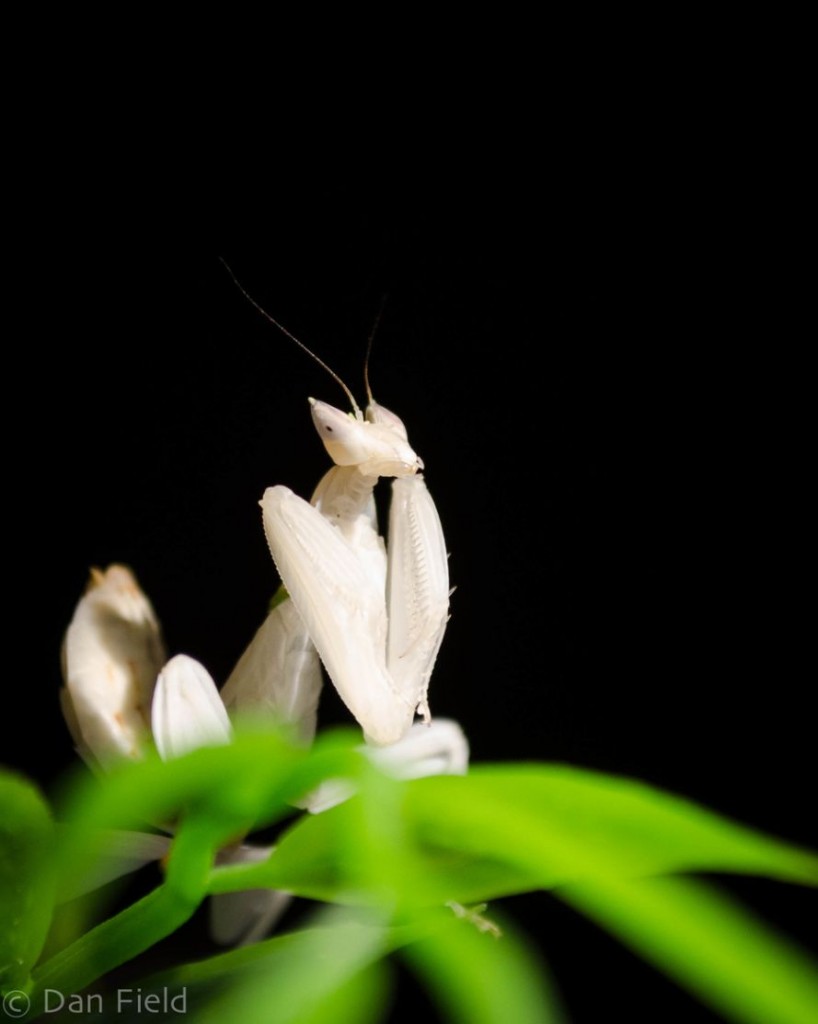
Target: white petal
<point x="328" y="794"/>
<point x="440" y="748"/>
<point x="73" y="723"/>
<point x="111" y="656"/>
<point x="239" y="918"/>
<point x="187" y="710"/>
<point x="279" y="674"/>
<point x="120" y="854"/>
<point x="342" y="607"/>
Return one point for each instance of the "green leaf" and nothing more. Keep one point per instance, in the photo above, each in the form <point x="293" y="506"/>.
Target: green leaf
<point x="566" y="824"/>
<point x="26" y="879"/>
<point x="111" y="943"/>
<point x="236" y="964"/>
<point x="250" y="782"/>
<point x="597" y="837"/>
<point x="478" y="978"/>
<point x="506" y="829"/>
<point x="362" y="999"/>
<point x="708" y="944"/>
<point x="233" y="965"/>
<point x="142" y="924"/>
<point x="311" y="860"/>
<point x="358" y="997"/>
<point x="214" y="795"/>
<point x="307" y="977"/>
<point x="359" y="852"/>
<point x="603" y="835"/>
<point x="402" y="847"/>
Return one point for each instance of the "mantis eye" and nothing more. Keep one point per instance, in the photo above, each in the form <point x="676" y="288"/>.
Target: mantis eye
<point x="380" y="414"/>
<point x="342" y="435"/>
<point x="377" y="448"/>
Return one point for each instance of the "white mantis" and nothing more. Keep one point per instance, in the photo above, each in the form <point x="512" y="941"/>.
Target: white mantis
<point x="376" y="619"/>
<point x="376" y="616"/>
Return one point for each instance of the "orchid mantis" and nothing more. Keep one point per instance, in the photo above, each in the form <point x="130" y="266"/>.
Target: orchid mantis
<point x="376" y="615"/>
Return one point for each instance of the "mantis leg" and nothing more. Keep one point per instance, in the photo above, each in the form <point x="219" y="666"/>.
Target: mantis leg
<point x="279" y="673"/>
<point x="417" y="589"/>
<point x="342" y="604"/>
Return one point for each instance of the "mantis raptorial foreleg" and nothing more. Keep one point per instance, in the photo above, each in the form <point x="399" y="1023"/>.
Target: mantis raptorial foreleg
<point x="375" y="616"/>
<point x="279" y="673"/>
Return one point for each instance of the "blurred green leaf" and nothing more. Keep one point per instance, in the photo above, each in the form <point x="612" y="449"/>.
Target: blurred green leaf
<point x="233" y="964"/>
<point x="312" y="859"/>
<point x="357" y="999"/>
<point x="708" y="944"/>
<point x="145" y="922"/>
<point x="215" y="795"/>
<point x="362" y="999"/>
<point x="506" y="829"/>
<point x="26" y="878"/>
<point x="309" y="977"/>
<point x="246" y="784"/>
<point x="547" y="826"/>
<point x="360" y="852"/>
<point x="478" y="978"/>
<point x="565" y="824"/>
<point x="404" y="849"/>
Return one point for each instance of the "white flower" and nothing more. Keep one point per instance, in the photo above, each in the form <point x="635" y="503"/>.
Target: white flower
<point x="117" y="692"/>
<point x="118" y="695"/>
<point x="115" y="696"/>
<point x="112" y="654"/>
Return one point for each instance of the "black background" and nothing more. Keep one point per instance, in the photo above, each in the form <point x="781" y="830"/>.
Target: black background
<point x="588" y="358"/>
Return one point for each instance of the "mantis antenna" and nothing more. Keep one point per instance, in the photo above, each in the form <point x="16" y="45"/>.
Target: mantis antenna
<point x="292" y="337"/>
<point x="369" y="396"/>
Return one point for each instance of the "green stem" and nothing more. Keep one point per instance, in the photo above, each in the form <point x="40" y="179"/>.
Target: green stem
<point x="112" y="943"/>
<point x="139" y="926"/>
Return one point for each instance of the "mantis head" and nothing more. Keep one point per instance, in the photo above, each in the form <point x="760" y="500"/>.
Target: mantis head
<point x="377" y="445"/>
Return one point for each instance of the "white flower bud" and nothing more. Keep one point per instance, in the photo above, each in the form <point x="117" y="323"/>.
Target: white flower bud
<point x="111" y="656"/>
<point x="187" y="710"/>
